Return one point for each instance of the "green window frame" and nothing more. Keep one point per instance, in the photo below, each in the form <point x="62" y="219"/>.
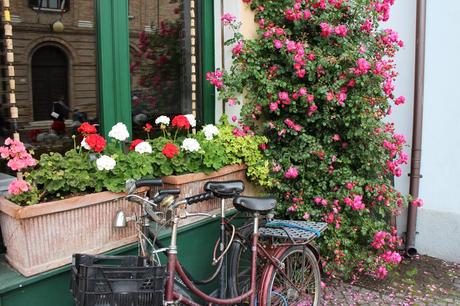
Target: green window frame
<point x="113" y="62"/>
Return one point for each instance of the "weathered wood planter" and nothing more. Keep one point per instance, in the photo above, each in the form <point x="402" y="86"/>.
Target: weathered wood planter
<point x="44" y="236"/>
<point x="192" y="184"/>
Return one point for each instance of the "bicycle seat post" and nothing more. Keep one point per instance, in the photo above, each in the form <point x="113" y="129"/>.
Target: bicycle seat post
<point x="223" y="274"/>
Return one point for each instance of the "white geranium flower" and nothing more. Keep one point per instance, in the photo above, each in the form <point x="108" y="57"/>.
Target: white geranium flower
<point x="85" y="145"/>
<point x="210" y="130"/>
<point x="191" y="119"/>
<point x="191" y="145"/>
<point x="162" y="120"/>
<point x="143" y="147"/>
<point x="119" y="132"/>
<point x="105" y="163"/>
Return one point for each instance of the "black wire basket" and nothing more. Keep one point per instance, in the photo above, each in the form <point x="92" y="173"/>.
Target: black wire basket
<point x="99" y="280"/>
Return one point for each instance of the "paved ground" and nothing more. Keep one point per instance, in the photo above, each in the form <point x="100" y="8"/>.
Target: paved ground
<point x="423" y="281"/>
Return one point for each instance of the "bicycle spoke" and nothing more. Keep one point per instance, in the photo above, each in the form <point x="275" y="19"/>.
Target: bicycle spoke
<point x="301" y="274"/>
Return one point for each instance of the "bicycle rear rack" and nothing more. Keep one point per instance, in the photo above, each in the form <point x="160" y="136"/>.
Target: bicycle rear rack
<point x="304" y="231"/>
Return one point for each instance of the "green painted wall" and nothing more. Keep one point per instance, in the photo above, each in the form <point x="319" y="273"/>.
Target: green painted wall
<point x="195" y="246"/>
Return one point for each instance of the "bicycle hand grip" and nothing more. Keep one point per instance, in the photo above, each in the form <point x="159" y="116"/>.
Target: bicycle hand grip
<point x="199" y="198"/>
<point x="149" y="182"/>
<point x="169" y="191"/>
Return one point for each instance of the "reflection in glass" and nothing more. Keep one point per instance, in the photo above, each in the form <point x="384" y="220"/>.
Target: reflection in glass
<point x="53" y="4"/>
<point x="159" y="78"/>
<point x="56" y="74"/>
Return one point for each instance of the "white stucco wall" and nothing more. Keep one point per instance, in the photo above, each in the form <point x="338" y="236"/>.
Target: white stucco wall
<point x="438" y="222"/>
<point x="439" y="219"/>
<point x="248" y="29"/>
<point x="403" y="17"/>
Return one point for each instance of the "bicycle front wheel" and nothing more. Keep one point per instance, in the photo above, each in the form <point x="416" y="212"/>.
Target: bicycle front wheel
<point x="297" y="283"/>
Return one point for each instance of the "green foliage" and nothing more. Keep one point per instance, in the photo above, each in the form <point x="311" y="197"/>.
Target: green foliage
<point x="329" y="132"/>
<point x="57" y="176"/>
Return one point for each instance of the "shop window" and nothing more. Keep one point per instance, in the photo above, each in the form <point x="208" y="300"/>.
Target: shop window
<point x="161" y="61"/>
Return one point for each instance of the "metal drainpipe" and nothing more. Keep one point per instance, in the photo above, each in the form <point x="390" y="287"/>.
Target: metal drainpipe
<point x="417" y="126"/>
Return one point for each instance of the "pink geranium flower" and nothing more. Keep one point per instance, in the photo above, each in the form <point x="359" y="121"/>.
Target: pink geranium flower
<point x="18" y="186"/>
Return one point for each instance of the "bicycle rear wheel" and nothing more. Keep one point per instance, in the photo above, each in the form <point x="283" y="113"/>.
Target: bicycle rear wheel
<point x="302" y="284"/>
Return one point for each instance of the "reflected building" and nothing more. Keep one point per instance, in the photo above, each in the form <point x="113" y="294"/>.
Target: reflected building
<point x="60" y="64"/>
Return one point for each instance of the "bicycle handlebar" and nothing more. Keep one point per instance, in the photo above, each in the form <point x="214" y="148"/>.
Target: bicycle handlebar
<point x="199" y="198"/>
<point x="169" y="191"/>
<point x="148" y="182"/>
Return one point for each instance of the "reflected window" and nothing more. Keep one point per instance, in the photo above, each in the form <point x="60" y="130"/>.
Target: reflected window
<point x="160" y="59"/>
<point x="49" y="82"/>
<point x="50" y="4"/>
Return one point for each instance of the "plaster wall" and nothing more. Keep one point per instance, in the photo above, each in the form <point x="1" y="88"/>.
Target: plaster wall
<point x="439" y="219"/>
<point x="223" y="55"/>
<point x="402" y="20"/>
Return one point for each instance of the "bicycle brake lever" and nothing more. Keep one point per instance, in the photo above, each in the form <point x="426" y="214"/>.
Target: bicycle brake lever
<point x="187" y="214"/>
<point x="144" y="200"/>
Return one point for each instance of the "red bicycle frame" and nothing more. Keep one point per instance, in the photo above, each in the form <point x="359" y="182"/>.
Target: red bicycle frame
<point x="174" y="267"/>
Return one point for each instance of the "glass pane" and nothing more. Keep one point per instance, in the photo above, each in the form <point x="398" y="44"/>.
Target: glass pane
<point x="53" y="4"/>
<point x="56" y="76"/>
<point x="160" y="60"/>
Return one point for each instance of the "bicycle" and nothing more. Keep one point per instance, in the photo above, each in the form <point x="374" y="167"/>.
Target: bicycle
<point x="284" y="277"/>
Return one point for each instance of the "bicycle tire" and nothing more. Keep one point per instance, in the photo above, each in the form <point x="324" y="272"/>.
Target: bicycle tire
<point x="239" y="272"/>
<point x="301" y="266"/>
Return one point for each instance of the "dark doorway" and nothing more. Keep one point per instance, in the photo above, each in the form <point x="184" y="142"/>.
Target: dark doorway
<point x="49" y="80"/>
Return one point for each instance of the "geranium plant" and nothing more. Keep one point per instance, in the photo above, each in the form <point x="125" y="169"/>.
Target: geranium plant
<point x="318" y="81"/>
<point x="96" y="164"/>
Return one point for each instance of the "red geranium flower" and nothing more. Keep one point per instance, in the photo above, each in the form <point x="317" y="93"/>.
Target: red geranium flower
<point x="170" y="150"/>
<point x="181" y="122"/>
<point x="95" y="142"/>
<point x="134" y="143"/>
<point x="86" y="128"/>
<point x="148" y="127"/>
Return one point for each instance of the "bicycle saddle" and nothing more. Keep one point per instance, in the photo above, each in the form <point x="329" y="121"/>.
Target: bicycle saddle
<point x="253" y="204"/>
<point x="224" y="190"/>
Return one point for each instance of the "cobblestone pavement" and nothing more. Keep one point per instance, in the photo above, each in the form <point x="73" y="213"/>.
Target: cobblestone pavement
<point x="423" y="281"/>
<point x="345" y="294"/>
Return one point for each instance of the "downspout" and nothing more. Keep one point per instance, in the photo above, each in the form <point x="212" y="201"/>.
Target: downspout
<point x="417" y="126"/>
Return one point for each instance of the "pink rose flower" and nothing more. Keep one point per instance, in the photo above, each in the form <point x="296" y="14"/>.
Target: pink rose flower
<point x="326" y="29"/>
<point x="341" y="30"/>
<point x="238" y="48"/>
<point x="278" y="44"/>
<point x="291" y="173"/>
<point x="273" y="106"/>
<point x="400" y="100"/>
<point x="417" y="203"/>
<point x="381" y="272"/>
<point x="227" y="19"/>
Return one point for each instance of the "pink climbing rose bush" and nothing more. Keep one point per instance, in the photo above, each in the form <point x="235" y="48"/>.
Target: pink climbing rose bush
<point x="318" y="81"/>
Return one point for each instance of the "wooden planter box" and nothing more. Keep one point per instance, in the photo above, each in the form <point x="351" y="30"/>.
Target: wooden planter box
<point x="193" y="183"/>
<point x="44" y="236"/>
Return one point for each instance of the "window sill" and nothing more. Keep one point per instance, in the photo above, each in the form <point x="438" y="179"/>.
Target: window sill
<point x="49" y="10"/>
